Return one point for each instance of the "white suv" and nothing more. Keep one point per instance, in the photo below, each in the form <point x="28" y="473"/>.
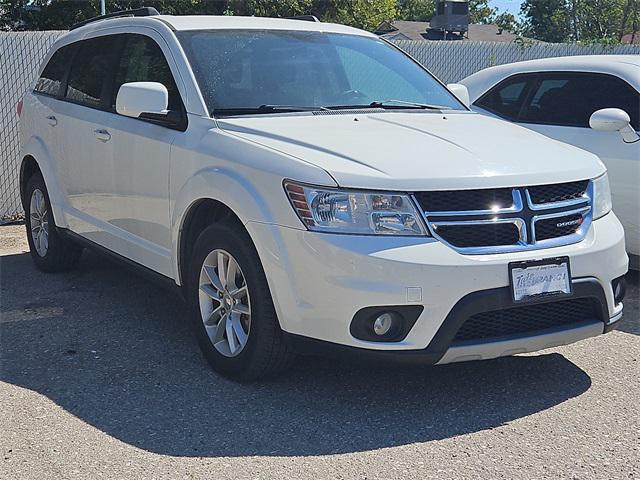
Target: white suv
<point x="309" y="186"/>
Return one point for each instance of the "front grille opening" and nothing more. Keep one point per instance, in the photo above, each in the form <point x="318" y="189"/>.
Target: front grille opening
<point x="485" y="218"/>
<point x="527" y="320"/>
<point x="465" y="200"/>
<point x="479" y="235"/>
<point x="558" y="192"/>
<point x="558" y="227"/>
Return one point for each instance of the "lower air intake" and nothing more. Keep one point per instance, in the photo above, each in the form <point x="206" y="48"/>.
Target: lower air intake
<point x="526" y="320"/>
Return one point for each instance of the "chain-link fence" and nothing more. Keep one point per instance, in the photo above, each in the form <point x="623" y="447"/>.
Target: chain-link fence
<point x="20" y="56"/>
<point x="453" y="61"/>
<point x="22" y="52"/>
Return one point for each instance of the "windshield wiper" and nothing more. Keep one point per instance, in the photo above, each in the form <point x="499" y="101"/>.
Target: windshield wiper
<point x="402" y="104"/>
<point x="267" y="108"/>
<point x="292" y="108"/>
<point x="390" y="105"/>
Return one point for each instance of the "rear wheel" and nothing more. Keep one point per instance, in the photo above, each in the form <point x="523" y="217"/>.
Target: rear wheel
<point x="49" y="251"/>
<point x="232" y="311"/>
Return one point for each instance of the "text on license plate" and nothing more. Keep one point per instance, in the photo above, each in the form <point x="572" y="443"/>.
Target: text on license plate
<point x="540" y="279"/>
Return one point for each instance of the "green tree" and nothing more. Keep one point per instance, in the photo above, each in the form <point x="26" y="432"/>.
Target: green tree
<point x="580" y="20"/>
<point x="597" y="19"/>
<point x="630" y="19"/>
<point x="481" y="12"/>
<point x="416" y="10"/>
<point x="270" y="8"/>
<point x="365" y="14"/>
<point x="547" y="20"/>
<point x="61" y="14"/>
<point x="506" y="21"/>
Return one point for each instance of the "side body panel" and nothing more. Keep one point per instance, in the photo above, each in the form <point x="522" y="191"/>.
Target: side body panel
<point x="41" y="141"/>
<point x="248" y="178"/>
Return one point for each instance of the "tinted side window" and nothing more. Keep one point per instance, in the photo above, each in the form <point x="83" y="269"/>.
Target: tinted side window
<point x="143" y="61"/>
<point x="506" y="98"/>
<point x="569" y="99"/>
<point x="50" y="82"/>
<point x="91" y="72"/>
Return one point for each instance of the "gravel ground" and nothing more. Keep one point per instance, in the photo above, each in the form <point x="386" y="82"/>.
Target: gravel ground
<point x="100" y="378"/>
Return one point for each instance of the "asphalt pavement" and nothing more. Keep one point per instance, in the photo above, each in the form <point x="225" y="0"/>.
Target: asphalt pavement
<point x="100" y="377"/>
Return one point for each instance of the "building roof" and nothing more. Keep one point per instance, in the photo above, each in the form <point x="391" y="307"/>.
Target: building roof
<point x="408" y="30"/>
<point x="631" y="38"/>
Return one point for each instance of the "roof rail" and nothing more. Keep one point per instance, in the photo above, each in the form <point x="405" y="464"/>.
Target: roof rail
<point x="136" y="12"/>
<point x="306" y="18"/>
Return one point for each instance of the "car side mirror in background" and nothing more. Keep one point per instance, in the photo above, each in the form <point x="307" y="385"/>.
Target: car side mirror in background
<point x="461" y="92"/>
<point x="139" y="99"/>
<point x="614" y="120"/>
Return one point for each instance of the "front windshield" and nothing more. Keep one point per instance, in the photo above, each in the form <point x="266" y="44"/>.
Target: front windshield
<point x="242" y="70"/>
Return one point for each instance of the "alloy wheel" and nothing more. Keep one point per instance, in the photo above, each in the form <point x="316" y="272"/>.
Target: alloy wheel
<point x="39" y="220"/>
<point x="225" y="308"/>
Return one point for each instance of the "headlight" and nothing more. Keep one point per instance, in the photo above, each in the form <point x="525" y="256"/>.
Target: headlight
<point x="346" y="211"/>
<point x="601" y="196"/>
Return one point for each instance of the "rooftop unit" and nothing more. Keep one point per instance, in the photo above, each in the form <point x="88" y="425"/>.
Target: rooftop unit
<point x="451" y="16"/>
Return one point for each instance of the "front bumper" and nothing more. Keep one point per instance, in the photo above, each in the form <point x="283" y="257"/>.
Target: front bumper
<point x="319" y="281"/>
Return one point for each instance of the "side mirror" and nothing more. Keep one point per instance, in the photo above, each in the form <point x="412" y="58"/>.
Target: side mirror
<point x="137" y="99"/>
<point x="614" y="120"/>
<point x="461" y="92"/>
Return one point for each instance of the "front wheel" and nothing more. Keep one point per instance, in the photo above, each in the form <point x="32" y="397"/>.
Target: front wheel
<point x="232" y="311"/>
<point x="49" y="251"/>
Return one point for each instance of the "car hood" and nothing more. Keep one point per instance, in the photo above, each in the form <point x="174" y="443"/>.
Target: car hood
<point x="419" y="150"/>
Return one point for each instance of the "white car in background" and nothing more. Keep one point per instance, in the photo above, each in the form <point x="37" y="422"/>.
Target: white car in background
<point x="561" y="98"/>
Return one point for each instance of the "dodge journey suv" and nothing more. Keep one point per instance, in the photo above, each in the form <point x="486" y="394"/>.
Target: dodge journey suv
<point x="308" y="187"/>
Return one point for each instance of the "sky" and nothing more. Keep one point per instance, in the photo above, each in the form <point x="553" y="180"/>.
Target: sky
<point x="511" y="6"/>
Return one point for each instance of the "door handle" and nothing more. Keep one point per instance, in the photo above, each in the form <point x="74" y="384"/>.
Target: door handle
<point x="51" y="120"/>
<point x="102" y="135"/>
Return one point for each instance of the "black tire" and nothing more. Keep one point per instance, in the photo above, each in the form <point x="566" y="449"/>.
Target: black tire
<point x="266" y="351"/>
<point x="61" y="254"/>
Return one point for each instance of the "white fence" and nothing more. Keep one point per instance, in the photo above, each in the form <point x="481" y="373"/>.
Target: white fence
<point x="455" y="60"/>
<point x="20" y="56"/>
<point x="22" y="52"/>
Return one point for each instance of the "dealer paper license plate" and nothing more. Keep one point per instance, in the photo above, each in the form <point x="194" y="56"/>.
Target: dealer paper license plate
<point x="540" y="278"/>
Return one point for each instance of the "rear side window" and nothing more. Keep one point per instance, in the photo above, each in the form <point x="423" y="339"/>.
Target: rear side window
<point x="569" y="99"/>
<point x="50" y="82"/>
<point x="143" y="61"/>
<point x="507" y="98"/>
<point x="560" y="98"/>
<point x="91" y="74"/>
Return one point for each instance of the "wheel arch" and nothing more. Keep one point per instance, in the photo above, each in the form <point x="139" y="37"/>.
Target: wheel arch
<point x="227" y="193"/>
<point x="36" y="158"/>
<point x="28" y="168"/>
<point x="200" y="214"/>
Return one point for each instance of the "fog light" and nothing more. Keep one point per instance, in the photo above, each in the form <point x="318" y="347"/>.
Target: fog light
<point x="619" y="289"/>
<point x="384" y="323"/>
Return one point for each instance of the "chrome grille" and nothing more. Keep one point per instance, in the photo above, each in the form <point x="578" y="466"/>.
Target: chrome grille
<point x="509" y="219"/>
